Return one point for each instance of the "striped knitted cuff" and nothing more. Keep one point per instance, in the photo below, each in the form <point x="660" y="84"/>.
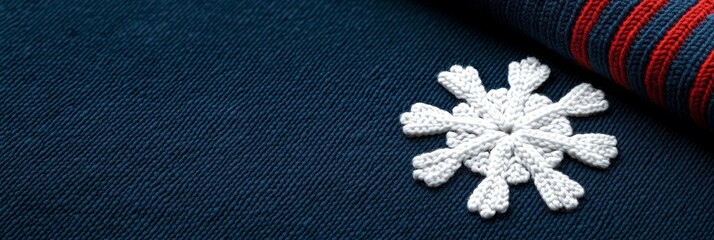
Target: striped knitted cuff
<point x="662" y="50"/>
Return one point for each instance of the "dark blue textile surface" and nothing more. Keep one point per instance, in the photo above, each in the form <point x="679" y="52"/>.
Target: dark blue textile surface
<point x="275" y="119"/>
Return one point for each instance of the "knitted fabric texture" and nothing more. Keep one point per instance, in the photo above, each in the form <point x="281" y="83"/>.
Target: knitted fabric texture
<point x="661" y="50"/>
<point x="257" y="119"/>
<point x="509" y="136"/>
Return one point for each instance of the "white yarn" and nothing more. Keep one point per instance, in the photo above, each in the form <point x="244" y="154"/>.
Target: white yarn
<point x="509" y="136"/>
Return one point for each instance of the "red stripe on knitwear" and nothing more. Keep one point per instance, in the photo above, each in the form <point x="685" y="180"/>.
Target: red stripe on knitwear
<point x="667" y="48"/>
<point x="583" y="25"/>
<point x="626" y="34"/>
<point x="702" y="90"/>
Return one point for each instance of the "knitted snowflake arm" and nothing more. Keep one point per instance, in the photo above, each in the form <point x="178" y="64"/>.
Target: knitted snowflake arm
<point x="491" y="195"/>
<point x="424" y="119"/>
<point x="527" y="75"/>
<point x="582" y="100"/>
<point x="524" y="77"/>
<point x="557" y="190"/>
<point x="592" y="149"/>
<point x="435" y="168"/>
<point x="464" y="83"/>
<point x="478" y="162"/>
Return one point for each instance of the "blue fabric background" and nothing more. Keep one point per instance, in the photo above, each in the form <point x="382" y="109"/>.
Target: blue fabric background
<point x="275" y="119"/>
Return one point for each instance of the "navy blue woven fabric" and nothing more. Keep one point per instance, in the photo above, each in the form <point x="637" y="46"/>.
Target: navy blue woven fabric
<point x="279" y="119"/>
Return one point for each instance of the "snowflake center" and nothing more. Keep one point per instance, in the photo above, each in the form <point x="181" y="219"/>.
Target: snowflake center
<point x="507" y="128"/>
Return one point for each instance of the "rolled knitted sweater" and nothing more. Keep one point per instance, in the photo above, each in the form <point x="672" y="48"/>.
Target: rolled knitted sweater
<point x="661" y="50"/>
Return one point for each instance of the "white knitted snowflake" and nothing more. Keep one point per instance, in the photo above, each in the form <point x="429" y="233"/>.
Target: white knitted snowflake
<point x="510" y="136"/>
